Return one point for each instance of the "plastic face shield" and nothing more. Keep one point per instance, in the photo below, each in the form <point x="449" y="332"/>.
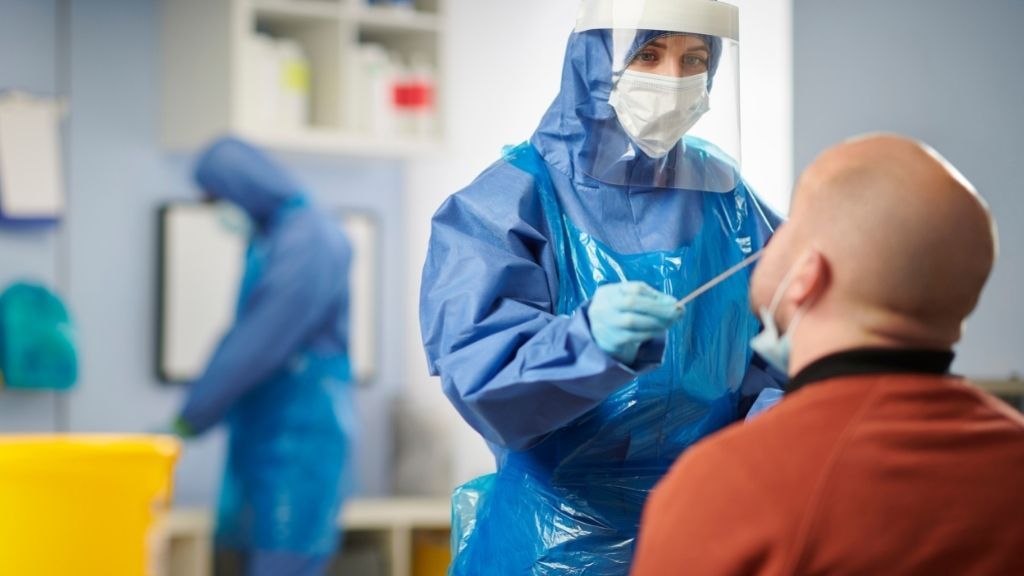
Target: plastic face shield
<point x="658" y="50"/>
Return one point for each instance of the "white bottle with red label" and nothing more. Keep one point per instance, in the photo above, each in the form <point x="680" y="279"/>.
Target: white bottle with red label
<point x="415" y="99"/>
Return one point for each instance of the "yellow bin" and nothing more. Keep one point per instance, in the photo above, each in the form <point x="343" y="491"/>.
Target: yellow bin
<point x="82" y="505"/>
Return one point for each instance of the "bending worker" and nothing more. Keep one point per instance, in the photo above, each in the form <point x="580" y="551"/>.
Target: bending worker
<point x="878" y="460"/>
<point x="280" y="376"/>
<point x="549" y="293"/>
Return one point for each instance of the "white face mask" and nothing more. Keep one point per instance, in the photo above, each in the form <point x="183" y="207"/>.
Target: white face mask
<point x="770" y="344"/>
<point x="657" y="110"/>
<point x="233" y="219"/>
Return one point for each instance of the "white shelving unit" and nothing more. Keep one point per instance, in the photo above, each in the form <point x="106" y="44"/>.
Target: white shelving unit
<point x="1011" y="388"/>
<point x="185" y="538"/>
<point x="206" y="44"/>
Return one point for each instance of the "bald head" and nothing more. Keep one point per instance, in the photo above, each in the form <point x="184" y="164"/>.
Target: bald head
<point x="908" y="242"/>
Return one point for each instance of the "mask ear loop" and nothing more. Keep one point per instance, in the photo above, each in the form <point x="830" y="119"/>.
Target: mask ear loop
<point x="783" y="286"/>
<point x="796" y="319"/>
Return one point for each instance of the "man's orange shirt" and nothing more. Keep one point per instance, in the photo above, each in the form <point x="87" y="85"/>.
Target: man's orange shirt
<point x="870" y="474"/>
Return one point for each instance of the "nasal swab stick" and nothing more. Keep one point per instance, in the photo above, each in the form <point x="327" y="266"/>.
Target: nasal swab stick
<point x="719" y="279"/>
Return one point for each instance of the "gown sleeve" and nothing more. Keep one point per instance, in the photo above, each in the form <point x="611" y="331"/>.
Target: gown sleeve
<point x="512" y="367"/>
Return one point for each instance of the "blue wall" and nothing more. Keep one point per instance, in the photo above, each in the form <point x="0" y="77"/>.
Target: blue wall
<point x="950" y="72"/>
<point x="28" y="60"/>
<point x="103" y="258"/>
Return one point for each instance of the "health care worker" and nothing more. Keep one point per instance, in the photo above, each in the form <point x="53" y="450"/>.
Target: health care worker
<point x="549" y="294"/>
<point x="280" y="376"/>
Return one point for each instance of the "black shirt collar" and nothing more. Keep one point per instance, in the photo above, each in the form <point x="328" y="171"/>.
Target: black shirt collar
<point x="872" y="361"/>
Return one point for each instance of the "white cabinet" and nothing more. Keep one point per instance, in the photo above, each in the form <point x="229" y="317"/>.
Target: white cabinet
<point x="215" y="67"/>
<point x="397" y="527"/>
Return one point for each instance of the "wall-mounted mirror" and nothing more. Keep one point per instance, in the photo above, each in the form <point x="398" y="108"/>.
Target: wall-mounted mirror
<point x="200" y="270"/>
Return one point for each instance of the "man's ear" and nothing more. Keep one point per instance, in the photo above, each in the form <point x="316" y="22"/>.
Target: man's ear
<point x="812" y="278"/>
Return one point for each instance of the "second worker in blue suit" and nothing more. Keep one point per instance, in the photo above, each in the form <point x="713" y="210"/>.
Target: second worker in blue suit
<point x="280" y="376"/>
<point x="549" y="291"/>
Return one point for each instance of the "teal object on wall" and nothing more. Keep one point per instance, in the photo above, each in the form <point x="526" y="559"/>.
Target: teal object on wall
<point x="37" y="340"/>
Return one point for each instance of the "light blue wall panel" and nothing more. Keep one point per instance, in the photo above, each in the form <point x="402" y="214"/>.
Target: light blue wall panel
<point x="950" y="72"/>
<point x="28" y="52"/>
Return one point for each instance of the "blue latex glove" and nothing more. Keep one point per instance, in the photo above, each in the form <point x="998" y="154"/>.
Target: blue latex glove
<point x="625" y="315"/>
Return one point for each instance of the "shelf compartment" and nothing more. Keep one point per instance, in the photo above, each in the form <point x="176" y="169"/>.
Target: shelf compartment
<point x="298" y="9"/>
<point x="396" y="19"/>
<point x="208" y="83"/>
<point x="333" y="142"/>
<point x="321" y="42"/>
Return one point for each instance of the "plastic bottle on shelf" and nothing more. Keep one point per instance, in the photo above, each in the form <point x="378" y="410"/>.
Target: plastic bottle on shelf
<point x="425" y="84"/>
<point x="375" y="78"/>
<point x="276" y="76"/>
<point x="294" y="86"/>
<point x="356" y="92"/>
<point x="415" y="99"/>
<point x="260" y="73"/>
<point x="401" y="100"/>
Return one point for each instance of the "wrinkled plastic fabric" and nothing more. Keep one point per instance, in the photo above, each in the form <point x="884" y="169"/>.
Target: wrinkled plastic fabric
<point x="571" y="504"/>
<point x="37" y="340"/>
<point x="281" y="375"/>
<point x="289" y="452"/>
<point x="288" y="456"/>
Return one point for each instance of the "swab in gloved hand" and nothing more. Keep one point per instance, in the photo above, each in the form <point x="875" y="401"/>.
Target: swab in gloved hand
<point x="625" y="315"/>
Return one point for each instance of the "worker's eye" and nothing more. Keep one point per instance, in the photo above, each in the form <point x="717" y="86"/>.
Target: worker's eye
<point x="694" y="64"/>
<point x="647" y="56"/>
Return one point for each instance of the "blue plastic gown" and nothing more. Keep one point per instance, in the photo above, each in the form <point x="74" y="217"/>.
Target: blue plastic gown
<point x="579" y="438"/>
<point x="280" y="376"/>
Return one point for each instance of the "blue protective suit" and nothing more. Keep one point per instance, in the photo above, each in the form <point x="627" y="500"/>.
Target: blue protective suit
<point x="579" y="438"/>
<point x="280" y="376"/>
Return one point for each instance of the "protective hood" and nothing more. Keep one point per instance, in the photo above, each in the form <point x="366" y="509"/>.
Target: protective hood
<point x="568" y="134"/>
<point x="237" y="172"/>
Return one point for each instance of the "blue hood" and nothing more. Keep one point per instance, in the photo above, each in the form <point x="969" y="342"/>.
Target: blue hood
<point x="581" y="121"/>
<point x="237" y="172"/>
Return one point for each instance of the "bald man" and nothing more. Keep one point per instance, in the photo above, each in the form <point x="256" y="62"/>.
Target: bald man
<point x="878" y="461"/>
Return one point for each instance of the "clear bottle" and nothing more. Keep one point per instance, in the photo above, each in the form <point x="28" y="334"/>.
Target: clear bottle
<point x="401" y="99"/>
<point x="415" y="98"/>
<point x="260" y="70"/>
<point x="294" y="78"/>
<point x="377" y="70"/>
<point x="424" y="84"/>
